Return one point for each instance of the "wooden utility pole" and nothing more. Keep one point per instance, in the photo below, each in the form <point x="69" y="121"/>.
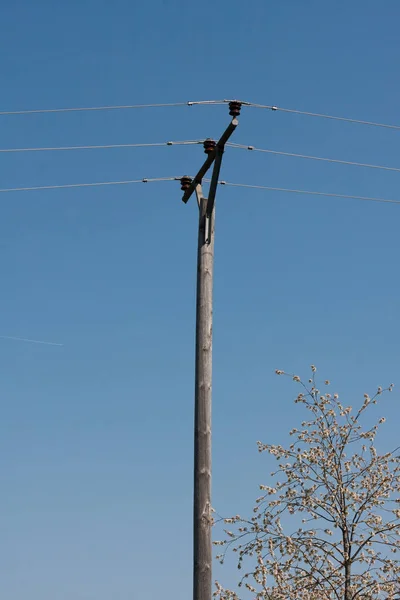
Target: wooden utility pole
<point x="202" y="516"/>
<point x="202" y="548"/>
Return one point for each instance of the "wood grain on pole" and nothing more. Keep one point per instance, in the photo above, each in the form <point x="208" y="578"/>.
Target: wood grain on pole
<point x="202" y="521"/>
<point x="202" y="576"/>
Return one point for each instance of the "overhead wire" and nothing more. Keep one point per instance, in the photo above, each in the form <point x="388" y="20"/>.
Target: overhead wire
<point x="308" y="192"/>
<point x="102" y="146"/>
<point x="222" y="182"/>
<point x="321" y="115"/>
<point x="19" y="339"/>
<point x="310" y="157"/>
<point x="81" y="185"/>
<point x="110" y="107"/>
<point x="200" y="102"/>
<point x="197" y="142"/>
<point x="188" y="142"/>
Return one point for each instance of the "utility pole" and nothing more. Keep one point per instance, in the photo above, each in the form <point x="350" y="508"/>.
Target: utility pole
<point x="202" y="516"/>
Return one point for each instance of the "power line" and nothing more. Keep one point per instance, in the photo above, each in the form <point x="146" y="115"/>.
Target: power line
<point x="110" y="107"/>
<point x="227" y="183"/>
<point x="308" y="192"/>
<point x="19" y="339"/>
<point x="194" y="103"/>
<point x="81" y="185"/>
<point x="196" y="142"/>
<point x="104" y="146"/>
<point x="322" y="116"/>
<point x="319" y="158"/>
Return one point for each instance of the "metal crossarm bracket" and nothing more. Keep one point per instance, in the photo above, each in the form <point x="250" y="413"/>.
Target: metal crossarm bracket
<point x="214" y="151"/>
<point x="199" y="194"/>
<point x="206" y="218"/>
<point x="210" y="159"/>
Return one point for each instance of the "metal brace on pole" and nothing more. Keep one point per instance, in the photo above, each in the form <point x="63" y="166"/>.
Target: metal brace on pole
<point x="205" y="224"/>
<point x="199" y="194"/>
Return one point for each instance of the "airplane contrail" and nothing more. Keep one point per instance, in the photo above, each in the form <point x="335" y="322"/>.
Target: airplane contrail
<point x="19" y="339"/>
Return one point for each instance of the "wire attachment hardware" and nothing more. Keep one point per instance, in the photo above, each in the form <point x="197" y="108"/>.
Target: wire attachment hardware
<point x="234" y="108"/>
<point x="185" y="183"/>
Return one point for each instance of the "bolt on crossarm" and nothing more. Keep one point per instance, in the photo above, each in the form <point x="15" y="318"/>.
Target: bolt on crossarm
<point x="202" y="516"/>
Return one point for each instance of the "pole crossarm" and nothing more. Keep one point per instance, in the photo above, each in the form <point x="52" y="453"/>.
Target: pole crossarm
<point x="210" y="159"/>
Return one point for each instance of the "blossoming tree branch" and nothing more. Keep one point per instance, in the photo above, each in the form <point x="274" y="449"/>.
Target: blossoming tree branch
<point x="328" y="528"/>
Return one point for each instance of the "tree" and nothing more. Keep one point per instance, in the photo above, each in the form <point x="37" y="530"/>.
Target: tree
<point x="338" y="498"/>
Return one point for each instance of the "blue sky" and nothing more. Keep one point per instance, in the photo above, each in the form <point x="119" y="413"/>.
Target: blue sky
<point x="96" y="436"/>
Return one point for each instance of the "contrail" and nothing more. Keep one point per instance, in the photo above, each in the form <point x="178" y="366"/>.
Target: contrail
<point x="19" y="339"/>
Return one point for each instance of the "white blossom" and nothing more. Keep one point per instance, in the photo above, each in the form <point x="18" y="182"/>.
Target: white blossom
<point x="333" y="480"/>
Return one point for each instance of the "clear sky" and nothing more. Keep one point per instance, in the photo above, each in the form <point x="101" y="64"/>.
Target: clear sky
<point x="96" y="436"/>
